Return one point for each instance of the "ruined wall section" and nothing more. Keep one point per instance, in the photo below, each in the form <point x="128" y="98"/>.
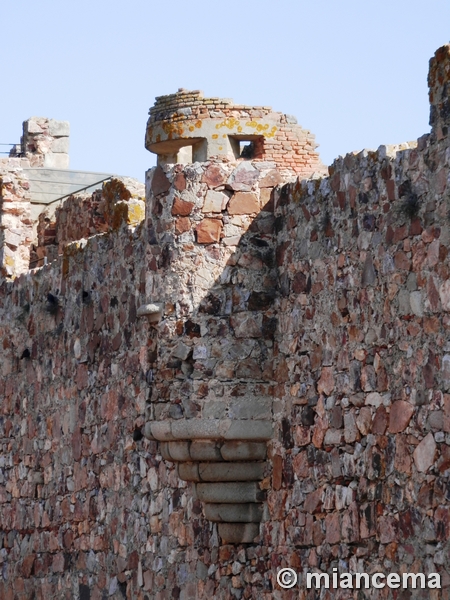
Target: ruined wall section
<point x="439" y="94"/>
<point x="363" y="366"/>
<point x="26" y="244"/>
<point x="214" y="227"/>
<point x="83" y="215"/>
<point x="214" y="126"/>
<point x="45" y="143"/>
<point x="16" y="230"/>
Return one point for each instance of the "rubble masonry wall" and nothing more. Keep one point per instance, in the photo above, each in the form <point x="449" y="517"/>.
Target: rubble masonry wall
<point x="323" y="304"/>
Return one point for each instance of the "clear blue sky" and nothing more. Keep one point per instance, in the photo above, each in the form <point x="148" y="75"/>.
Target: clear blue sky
<point x="353" y="72"/>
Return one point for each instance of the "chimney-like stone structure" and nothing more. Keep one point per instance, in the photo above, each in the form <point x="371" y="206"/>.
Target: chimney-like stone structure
<point x="45" y="142"/>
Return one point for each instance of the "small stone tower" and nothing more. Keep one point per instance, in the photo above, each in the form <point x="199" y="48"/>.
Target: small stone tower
<point x="186" y="127"/>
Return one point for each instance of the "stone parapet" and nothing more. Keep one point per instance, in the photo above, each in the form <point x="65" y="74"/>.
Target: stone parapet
<point x="38" y="221"/>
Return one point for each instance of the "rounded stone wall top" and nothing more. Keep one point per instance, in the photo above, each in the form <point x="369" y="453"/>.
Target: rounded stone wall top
<point x="186" y="127"/>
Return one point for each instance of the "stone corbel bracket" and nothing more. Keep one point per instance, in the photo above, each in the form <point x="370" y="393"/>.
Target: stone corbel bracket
<point x="153" y="310"/>
<point x="225" y="460"/>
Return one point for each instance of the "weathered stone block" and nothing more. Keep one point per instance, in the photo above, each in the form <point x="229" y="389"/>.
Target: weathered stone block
<point x="231" y="471"/>
<point x="249" y="430"/>
<point x="181" y="207"/>
<point x="209" y="230"/>
<point x="215" y="202"/>
<point x="200" y="472"/>
<point x="178" y="451"/>
<point x="243" y="203"/>
<point x="188" y="471"/>
<point x="233" y="513"/>
<point x="205" y="450"/>
<point x="416" y="302"/>
<point x="58" y="128"/>
<point x="243" y="177"/>
<point x="214" y="176"/>
<point x="159" y="183"/>
<point x="230" y="492"/>
<point x="326" y="382"/>
<point x="56" y="161"/>
<point x="235" y="533"/>
<point x="424" y="453"/>
<point x="60" y="145"/>
<point x="182" y="224"/>
<point x="400" y="415"/>
<point x="243" y="450"/>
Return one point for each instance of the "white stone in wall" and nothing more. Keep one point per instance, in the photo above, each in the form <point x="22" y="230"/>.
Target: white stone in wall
<point x="60" y="145"/>
<point x="58" y="128"/>
<point x="56" y="161"/>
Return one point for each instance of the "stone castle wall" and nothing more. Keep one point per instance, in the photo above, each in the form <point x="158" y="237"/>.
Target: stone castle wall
<point x="315" y="310"/>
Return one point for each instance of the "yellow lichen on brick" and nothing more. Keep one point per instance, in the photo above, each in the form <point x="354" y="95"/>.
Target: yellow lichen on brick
<point x="119" y="215"/>
<point x="229" y="123"/>
<point x="136" y="212"/>
<point x="69" y="252"/>
<point x="172" y="128"/>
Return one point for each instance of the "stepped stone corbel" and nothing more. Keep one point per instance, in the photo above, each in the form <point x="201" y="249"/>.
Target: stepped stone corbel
<point x="152" y="310"/>
<point x="225" y="460"/>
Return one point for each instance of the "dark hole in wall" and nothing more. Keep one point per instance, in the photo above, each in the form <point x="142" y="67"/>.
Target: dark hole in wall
<point x="286" y="434"/>
<point x="137" y="434"/>
<point x="176" y="498"/>
<point x="52" y="304"/>
<point x="85" y="593"/>
<point x="246" y="150"/>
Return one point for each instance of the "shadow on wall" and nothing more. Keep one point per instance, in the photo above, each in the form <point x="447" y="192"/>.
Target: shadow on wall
<point x="212" y="266"/>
